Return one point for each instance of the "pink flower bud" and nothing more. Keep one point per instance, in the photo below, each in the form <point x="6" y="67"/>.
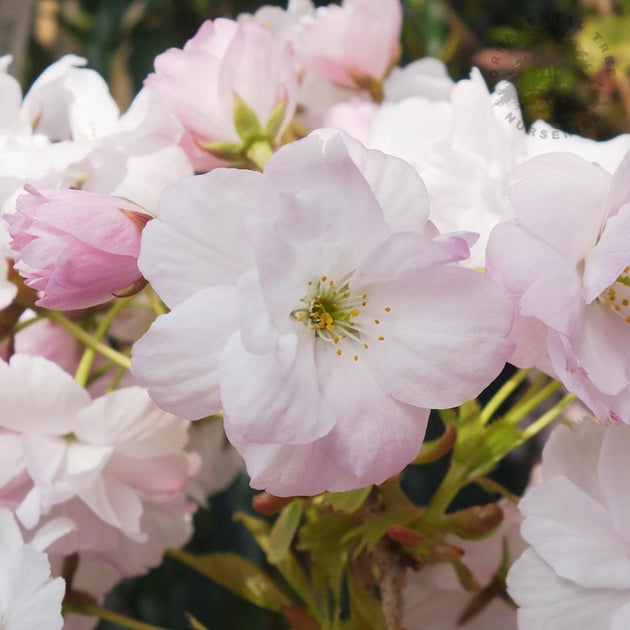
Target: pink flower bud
<point x="227" y="68"/>
<point x="76" y="247"/>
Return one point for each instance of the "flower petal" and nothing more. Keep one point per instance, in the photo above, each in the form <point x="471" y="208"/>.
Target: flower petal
<point x="177" y="359"/>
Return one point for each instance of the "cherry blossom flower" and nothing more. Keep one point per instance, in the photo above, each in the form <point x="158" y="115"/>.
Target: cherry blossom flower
<point x="576" y="571"/>
<point x="225" y="71"/>
<point x="353" y="45"/>
<point x="319" y="308"/>
<point x="564" y="261"/>
<point x="78" y="248"/>
<point x="115" y="454"/>
<point x="463" y="147"/>
<point x="29" y="598"/>
<point x="464" y="141"/>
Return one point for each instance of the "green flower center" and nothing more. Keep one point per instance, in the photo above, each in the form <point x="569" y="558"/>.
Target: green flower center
<point x="331" y="309"/>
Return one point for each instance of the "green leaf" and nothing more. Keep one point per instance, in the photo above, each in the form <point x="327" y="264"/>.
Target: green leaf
<point x="226" y="151"/>
<point x="349" y="501"/>
<point x="245" y="121"/>
<point x="365" y="610"/>
<point x="284" y="530"/>
<point x="274" y="123"/>
<point x="289" y="568"/>
<point x="238" y="575"/>
<point x="321" y="539"/>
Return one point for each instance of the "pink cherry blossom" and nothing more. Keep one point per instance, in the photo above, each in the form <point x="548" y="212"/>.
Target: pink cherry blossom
<point x="576" y="572"/>
<point x="319" y="308"/>
<point x="77" y="248"/>
<point x="223" y="62"/>
<point x="564" y="261"/>
<point x="353" y="44"/>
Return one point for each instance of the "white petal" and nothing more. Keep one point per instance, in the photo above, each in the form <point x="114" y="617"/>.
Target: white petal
<point x="177" y="359"/>
<point x="444" y="328"/>
<point x="37" y="395"/>
<point x="274" y="397"/>
<point x="550" y="602"/>
<point x="557" y="190"/>
<point x="574" y="534"/>
<point x="573" y="451"/>
<point x="200" y="239"/>
<point x="375" y="436"/>
<point x="294" y="470"/>
<point x="613" y="462"/>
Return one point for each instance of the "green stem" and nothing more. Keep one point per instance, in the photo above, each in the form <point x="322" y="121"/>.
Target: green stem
<point x="155" y="302"/>
<point x="85" y="337"/>
<point x="85" y="365"/>
<point x="517" y="413"/>
<point x="116" y="380"/>
<point x="108" y="615"/>
<point x="549" y="416"/>
<point x="27" y="322"/>
<point x="535" y="386"/>
<point x="455" y="478"/>
<point x="503" y="394"/>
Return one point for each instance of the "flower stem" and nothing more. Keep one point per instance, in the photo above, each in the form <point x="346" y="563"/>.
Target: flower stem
<point x="155" y="302"/>
<point x="503" y="394"/>
<point x="27" y="322"/>
<point x="455" y="479"/>
<point x="516" y="414"/>
<point x="549" y="416"/>
<point x="85" y="365"/>
<point x="85" y="338"/>
<point x="99" y="612"/>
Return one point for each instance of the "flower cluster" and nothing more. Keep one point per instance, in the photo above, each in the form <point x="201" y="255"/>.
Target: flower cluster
<point x="281" y="259"/>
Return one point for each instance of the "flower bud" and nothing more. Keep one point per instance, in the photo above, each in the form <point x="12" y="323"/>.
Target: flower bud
<point x="75" y="247"/>
<point x="473" y="523"/>
<point x="232" y="85"/>
<point x="404" y="536"/>
<point x="268" y="504"/>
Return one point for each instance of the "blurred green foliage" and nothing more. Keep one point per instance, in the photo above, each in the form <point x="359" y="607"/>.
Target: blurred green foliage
<point x="568" y="60"/>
